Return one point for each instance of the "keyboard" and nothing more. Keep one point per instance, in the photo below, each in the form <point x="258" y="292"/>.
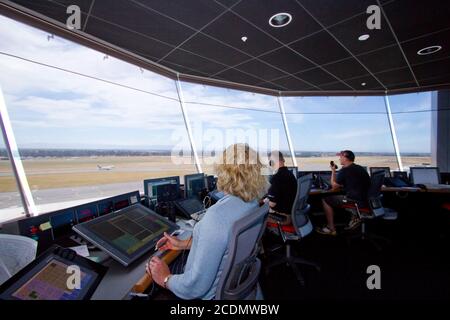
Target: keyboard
<point x="198" y="215"/>
<point x="189" y="206"/>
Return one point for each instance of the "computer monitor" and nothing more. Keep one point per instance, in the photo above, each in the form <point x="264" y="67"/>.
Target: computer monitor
<point x="162" y="190"/>
<point x="424" y="175"/>
<point x="324" y="179"/>
<point x="126" y="234"/>
<point x="400" y="174"/>
<point x="387" y="171"/>
<point x="62" y="222"/>
<point x="47" y="278"/>
<point x="105" y="207"/>
<point x="445" y="177"/>
<point x="193" y="185"/>
<point x="211" y="182"/>
<point x="294" y="171"/>
<point x="86" y="213"/>
<point x="57" y="225"/>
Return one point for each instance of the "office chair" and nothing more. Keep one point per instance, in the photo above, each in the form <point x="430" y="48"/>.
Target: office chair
<point x="239" y="279"/>
<point x="372" y="211"/>
<point x="300" y="228"/>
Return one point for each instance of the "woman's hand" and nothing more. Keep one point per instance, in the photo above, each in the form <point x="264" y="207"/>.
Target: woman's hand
<point x="168" y="242"/>
<point x="158" y="269"/>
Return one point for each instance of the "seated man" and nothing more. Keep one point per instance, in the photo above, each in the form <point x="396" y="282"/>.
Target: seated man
<point x="283" y="189"/>
<point x="355" y="181"/>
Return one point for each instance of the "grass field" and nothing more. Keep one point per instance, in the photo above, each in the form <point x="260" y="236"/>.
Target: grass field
<point x="51" y="173"/>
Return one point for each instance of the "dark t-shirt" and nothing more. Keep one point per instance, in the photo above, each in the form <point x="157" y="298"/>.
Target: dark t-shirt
<point x="283" y="190"/>
<point x="356" y="182"/>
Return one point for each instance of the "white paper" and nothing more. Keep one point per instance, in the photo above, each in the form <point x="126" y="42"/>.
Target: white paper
<point x="4" y="273"/>
<point x="81" y="250"/>
<point x="133" y="200"/>
<point x="15" y="253"/>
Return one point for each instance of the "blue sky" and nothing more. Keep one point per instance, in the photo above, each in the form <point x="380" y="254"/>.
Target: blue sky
<point x="53" y="109"/>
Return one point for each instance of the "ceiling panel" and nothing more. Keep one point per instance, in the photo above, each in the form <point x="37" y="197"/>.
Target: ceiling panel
<point x="441" y="39"/>
<point x="412" y="18"/>
<point x="257" y="42"/>
<point x="239" y="77"/>
<point x="259" y="12"/>
<point x="127" y="39"/>
<point x="56" y="9"/>
<point x="443" y="79"/>
<point x="287" y="60"/>
<point x="348" y="32"/>
<point x="261" y="70"/>
<point x="209" y="48"/>
<point x="432" y="69"/>
<point x="293" y="84"/>
<point x="330" y="12"/>
<point x="132" y="16"/>
<point x="316" y="76"/>
<point x="320" y="48"/>
<point x="364" y="83"/>
<point x="383" y="59"/>
<point x="336" y="86"/>
<point x="197" y="14"/>
<point x="345" y="69"/>
<point x="193" y="61"/>
<point x="392" y="77"/>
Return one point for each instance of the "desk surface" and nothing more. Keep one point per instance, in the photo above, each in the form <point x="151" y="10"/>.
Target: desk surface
<point x="442" y="189"/>
<point x="322" y="191"/>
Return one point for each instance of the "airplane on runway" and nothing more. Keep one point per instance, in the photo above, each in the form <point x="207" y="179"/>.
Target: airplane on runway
<point x="105" y="167"/>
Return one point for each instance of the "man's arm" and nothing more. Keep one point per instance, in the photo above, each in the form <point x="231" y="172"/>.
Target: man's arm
<point x="273" y="193"/>
<point x="334" y="183"/>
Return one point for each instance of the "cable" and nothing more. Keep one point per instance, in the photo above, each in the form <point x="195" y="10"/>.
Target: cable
<point x="230" y="107"/>
<point x="87" y="76"/>
<point x="210" y="104"/>
<point x="206" y="204"/>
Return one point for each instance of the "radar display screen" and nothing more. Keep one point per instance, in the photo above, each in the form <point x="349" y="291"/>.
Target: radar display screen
<point x="57" y="274"/>
<point x="126" y="234"/>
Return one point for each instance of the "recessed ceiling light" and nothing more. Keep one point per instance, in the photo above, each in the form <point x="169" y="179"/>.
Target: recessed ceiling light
<point x="363" y="37"/>
<point x="280" y="20"/>
<point x="428" y="50"/>
<point x="363" y="84"/>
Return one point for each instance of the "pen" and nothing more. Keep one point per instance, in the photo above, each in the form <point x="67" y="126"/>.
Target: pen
<point x="174" y="233"/>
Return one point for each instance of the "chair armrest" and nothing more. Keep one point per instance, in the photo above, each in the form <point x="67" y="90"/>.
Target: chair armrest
<point x="350" y="201"/>
<point x="280" y="230"/>
<point x="277" y="217"/>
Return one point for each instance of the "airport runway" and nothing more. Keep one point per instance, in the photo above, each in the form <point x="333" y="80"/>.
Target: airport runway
<point x="61" y="195"/>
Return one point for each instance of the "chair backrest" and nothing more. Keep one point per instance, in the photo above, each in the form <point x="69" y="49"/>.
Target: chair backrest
<point x="374" y="194"/>
<point x="239" y="279"/>
<point x="15" y="253"/>
<point x="300" y="208"/>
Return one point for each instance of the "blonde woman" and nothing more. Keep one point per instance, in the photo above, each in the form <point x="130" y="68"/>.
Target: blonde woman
<point x="239" y="177"/>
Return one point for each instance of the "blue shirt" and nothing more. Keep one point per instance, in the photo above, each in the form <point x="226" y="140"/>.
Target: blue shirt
<point x="209" y="249"/>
